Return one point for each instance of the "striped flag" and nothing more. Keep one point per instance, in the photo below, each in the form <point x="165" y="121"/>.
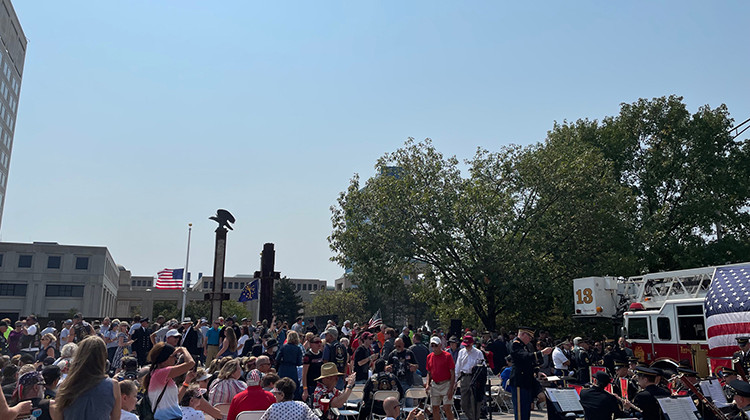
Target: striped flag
<point x="376" y="321"/>
<point x="727" y="307"/>
<point x="170" y="279"/>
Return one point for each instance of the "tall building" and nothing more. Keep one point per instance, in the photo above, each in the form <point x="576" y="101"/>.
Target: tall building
<point x="12" y="56"/>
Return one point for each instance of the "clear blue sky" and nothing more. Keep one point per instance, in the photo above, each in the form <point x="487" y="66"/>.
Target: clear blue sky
<point x="138" y="117"/>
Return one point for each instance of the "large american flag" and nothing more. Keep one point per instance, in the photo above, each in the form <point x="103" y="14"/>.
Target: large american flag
<point x="728" y="309"/>
<point x="170" y="278"/>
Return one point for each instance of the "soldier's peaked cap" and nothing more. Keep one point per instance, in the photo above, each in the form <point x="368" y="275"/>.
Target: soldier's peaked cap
<point x="643" y="370"/>
<point x="742" y="387"/>
<point x="527" y="330"/>
<point x="742" y="340"/>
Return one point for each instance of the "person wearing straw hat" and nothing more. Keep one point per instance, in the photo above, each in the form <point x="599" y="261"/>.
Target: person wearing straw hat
<point x="326" y="390"/>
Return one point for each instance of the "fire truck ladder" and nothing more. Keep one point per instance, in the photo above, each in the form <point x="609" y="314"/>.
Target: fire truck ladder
<point x="652" y="290"/>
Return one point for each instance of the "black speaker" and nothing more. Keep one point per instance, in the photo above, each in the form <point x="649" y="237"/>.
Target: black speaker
<point x="455" y="328"/>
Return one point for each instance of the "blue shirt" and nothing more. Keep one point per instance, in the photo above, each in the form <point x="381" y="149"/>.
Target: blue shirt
<point x="212" y="337"/>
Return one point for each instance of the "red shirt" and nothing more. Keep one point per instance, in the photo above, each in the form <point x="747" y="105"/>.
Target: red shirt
<point x="440" y="366"/>
<point x="254" y="398"/>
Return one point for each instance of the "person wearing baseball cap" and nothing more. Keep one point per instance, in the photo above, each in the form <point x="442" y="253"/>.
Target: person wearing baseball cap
<point x="468" y="358"/>
<point x="363" y="357"/>
<point x="254" y="398"/>
<point x="441" y="377"/>
<point x="173" y="337"/>
<point x="522" y="376"/>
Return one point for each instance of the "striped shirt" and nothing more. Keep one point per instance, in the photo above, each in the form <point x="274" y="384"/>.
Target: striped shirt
<point x="224" y="390"/>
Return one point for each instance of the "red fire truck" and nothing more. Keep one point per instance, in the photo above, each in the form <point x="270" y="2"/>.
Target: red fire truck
<point x="661" y="314"/>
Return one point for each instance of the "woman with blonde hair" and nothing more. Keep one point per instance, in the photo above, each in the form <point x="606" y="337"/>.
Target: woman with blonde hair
<point x="123" y="344"/>
<point x="88" y="393"/>
<point x="48" y="348"/>
<point x="288" y="359"/>
<point x="229" y="346"/>
<point x="228" y="384"/>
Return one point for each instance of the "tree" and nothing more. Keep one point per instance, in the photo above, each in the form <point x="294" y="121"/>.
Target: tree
<point x="166" y="308"/>
<point x="286" y="302"/>
<point x="506" y="239"/>
<point x="235" y="309"/>
<point x="347" y="304"/>
<point x="687" y="176"/>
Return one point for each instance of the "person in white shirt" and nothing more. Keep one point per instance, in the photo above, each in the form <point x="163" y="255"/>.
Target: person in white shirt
<point x="560" y="360"/>
<point x="468" y="358"/>
<point x="65" y="336"/>
<point x="50" y="329"/>
<point x="30" y="337"/>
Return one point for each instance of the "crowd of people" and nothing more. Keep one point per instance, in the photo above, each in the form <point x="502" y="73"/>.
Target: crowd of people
<point x="172" y="369"/>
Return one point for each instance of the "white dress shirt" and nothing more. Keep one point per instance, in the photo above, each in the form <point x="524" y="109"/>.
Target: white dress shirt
<point x="468" y="357"/>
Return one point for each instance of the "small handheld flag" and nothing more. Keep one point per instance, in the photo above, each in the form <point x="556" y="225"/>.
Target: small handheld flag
<point x="170" y="278"/>
<point x="250" y="292"/>
<point x="376" y="320"/>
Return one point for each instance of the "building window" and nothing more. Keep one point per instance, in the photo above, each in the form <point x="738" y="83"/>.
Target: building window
<point x="82" y="263"/>
<point x="53" y="261"/>
<point x="299" y="287"/>
<point x="236" y="285"/>
<point x="1" y="260"/>
<point x="304" y="286"/>
<point x="24" y="261"/>
<point x="63" y="290"/>
<point x="315" y="287"/>
<point x="12" y="290"/>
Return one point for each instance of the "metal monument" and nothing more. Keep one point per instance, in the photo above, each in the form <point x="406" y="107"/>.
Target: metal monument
<point x="267" y="277"/>
<point x="217" y="295"/>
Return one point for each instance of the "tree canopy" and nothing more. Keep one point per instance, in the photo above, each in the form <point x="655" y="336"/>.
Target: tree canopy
<point x="286" y="302"/>
<point x="652" y="188"/>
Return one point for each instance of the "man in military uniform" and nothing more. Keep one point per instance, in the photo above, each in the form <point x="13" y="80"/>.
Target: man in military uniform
<point x="741" y="358"/>
<point x="728" y="375"/>
<point x="599" y="404"/>
<point x="646" y="399"/>
<point x="622" y="372"/>
<point x="582" y="359"/>
<point x="142" y="342"/>
<point x="522" y="380"/>
<point x="741" y="407"/>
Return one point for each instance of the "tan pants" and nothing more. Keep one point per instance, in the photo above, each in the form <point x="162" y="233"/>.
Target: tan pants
<point x="211" y="352"/>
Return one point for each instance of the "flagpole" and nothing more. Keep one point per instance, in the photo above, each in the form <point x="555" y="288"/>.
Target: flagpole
<point x="185" y="273"/>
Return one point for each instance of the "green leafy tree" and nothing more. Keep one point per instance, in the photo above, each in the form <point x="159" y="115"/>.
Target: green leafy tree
<point x="687" y="176"/>
<point x="198" y="309"/>
<point x="347" y="304"/>
<point x="286" y="302"/>
<point x="166" y="308"/>
<point x="235" y="309"/>
<point x="505" y="239"/>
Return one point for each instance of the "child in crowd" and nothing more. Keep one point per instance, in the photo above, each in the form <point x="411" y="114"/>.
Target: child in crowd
<point x="129" y="395"/>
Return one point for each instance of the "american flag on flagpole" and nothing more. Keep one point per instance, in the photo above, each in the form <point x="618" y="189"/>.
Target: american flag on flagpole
<point x="170" y="278"/>
<point x="376" y="321"/>
<point x="727" y="308"/>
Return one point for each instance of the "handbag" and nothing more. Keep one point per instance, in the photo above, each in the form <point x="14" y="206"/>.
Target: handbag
<point x="143" y="406"/>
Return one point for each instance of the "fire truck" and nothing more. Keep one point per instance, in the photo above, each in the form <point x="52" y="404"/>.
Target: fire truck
<point x="661" y="314"/>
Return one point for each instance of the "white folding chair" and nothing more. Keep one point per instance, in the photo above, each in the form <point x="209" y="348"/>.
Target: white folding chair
<point x="417" y="393"/>
<point x="250" y="415"/>
<point x="381" y="396"/>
